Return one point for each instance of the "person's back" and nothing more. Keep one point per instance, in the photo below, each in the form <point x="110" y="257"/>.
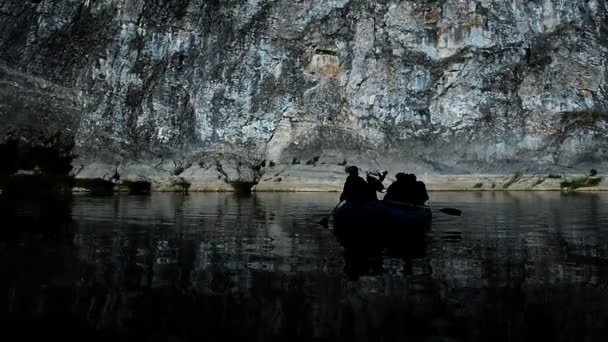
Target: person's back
<point x="419" y="193"/>
<point x="400" y="190"/>
<point x="355" y="188"/>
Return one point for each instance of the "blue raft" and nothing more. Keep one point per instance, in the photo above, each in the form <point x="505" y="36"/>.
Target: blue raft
<point x="380" y="221"/>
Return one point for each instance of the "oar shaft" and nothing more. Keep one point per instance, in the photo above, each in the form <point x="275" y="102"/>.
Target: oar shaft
<point x="448" y="211"/>
<point x="325" y="221"/>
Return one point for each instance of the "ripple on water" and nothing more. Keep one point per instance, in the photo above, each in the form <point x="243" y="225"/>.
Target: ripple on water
<point x="186" y="267"/>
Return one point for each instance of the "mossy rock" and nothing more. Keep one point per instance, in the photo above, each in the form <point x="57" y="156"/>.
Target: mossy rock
<point x="181" y="185"/>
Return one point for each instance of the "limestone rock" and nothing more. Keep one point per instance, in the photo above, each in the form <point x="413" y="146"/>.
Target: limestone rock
<point x="437" y="86"/>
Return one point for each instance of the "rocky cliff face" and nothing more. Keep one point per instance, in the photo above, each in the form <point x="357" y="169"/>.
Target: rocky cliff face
<point x="286" y="90"/>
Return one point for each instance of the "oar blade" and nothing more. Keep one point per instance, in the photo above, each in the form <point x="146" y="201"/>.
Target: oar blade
<point x="451" y="211"/>
<point x="324" y="222"/>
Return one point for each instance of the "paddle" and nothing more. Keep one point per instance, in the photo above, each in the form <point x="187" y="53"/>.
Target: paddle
<point x="325" y="221"/>
<point x="447" y="211"/>
<point x="451" y="211"/>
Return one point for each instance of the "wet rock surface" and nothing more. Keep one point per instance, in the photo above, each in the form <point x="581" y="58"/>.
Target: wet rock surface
<point x="215" y="92"/>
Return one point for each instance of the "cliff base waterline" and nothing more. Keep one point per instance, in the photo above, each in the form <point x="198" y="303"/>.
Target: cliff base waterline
<point x="517" y="182"/>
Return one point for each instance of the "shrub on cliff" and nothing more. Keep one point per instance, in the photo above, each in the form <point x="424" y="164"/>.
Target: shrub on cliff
<point x="36" y="185"/>
<point x="34" y="164"/>
<point x="242" y="187"/>
<point x="138" y="187"/>
<point x="8" y="157"/>
<point x="39" y="154"/>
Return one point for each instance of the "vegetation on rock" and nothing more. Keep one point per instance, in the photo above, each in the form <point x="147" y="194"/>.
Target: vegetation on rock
<point x="582" y="182"/>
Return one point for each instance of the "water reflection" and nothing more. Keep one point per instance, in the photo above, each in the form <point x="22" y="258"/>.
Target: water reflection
<point x="515" y="266"/>
<point x="368" y="244"/>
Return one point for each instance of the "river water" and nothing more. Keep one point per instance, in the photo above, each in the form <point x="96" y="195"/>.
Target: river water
<point x="515" y="266"/>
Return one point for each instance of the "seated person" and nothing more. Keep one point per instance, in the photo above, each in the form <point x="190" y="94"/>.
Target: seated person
<point x="400" y="190"/>
<point x="356" y="188"/>
<point x="406" y="189"/>
<point x="419" y="193"/>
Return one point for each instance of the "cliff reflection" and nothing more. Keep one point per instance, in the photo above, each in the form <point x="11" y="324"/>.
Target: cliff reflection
<point x="40" y="268"/>
<point x="212" y="267"/>
<point x="368" y="252"/>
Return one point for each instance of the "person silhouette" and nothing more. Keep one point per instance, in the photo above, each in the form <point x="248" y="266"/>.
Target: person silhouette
<point x="407" y="189"/>
<point x="356" y="188"/>
<point x="375" y="184"/>
<point x="419" y="193"/>
<point x="400" y="190"/>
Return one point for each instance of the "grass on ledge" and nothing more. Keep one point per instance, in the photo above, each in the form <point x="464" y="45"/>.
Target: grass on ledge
<point x="582" y="182"/>
<point x="516" y="178"/>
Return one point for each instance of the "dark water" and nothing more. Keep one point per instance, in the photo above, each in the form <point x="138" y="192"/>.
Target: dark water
<point x="169" y="267"/>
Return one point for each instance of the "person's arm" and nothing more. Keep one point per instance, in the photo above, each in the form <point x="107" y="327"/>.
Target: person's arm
<point x="382" y="176"/>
